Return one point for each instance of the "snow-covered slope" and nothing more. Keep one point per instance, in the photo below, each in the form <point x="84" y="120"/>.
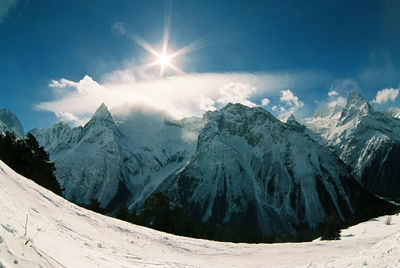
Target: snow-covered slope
<point x="10" y="122"/>
<point x="118" y="161"/>
<point x="271" y="178"/>
<point x="366" y="140"/>
<point x="61" y="234"/>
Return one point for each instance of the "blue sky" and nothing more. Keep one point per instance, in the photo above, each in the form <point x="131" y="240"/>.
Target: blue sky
<point x="61" y="59"/>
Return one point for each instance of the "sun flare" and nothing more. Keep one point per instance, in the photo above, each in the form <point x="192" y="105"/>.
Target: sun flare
<point x="163" y="59"/>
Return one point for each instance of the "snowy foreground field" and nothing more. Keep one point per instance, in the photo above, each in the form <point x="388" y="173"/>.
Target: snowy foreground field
<point x="61" y="234"/>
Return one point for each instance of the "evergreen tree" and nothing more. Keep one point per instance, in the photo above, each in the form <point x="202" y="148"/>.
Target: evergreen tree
<point x="123" y="213"/>
<point x="95" y="206"/>
<point x="331" y="230"/>
<point x="29" y="159"/>
<point x="156" y="213"/>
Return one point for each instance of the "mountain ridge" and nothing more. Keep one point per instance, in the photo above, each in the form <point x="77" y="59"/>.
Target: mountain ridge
<point x="236" y="165"/>
<point x="367" y="141"/>
<point x="136" y="158"/>
<point x="249" y="165"/>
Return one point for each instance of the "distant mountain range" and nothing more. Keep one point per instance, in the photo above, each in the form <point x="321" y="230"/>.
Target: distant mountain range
<point x="236" y="165"/>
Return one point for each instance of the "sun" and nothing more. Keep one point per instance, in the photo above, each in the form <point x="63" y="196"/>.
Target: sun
<point x="163" y="59"/>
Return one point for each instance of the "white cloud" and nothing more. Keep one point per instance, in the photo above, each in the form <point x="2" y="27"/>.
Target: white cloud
<point x="274" y="108"/>
<point x="292" y="103"/>
<point x="181" y="96"/>
<point x="332" y="93"/>
<point x="339" y="101"/>
<point x="68" y="117"/>
<point x="63" y="83"/>
<point x="384" y="95"/>
<point x="265" y="102"/>
<point x="206" y="103"/>
<point x="345" y="85"/>
<point x="289" y="98"/>
<point x="5" y="7"/>
<point x="286" y="113"/>
<point x="234" y="92"/>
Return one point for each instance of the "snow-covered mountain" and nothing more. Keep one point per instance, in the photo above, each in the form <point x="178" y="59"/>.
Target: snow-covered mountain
<point x="366" y="140"/>
<point x="252" y="169"/>
<point x="41" y="229"/>
<point x="236" y="165"/>
<point x="10" y="122"/>
<point x="118" y="161"/>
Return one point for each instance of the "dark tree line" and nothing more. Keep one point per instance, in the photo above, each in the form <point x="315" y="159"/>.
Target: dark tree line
<point x="27" y="158"/>
<point x="161" y="214"/>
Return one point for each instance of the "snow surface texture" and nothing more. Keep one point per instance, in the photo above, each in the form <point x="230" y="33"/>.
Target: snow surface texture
<point x="61" y="234"/>
<point x="9" y="122"/>
<point x="118" y="161"/>
<point x="366" y="140"/>
<point x="251" y="167"/>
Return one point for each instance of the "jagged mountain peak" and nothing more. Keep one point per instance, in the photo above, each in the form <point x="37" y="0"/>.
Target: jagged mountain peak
<point x="238" y="107"/>
<point x="102" y="116"/>
<point x="355" y="99"/>
<point x="102" y="111"/>
<point x="10" y="122"/>
<point x="292" y="121"/>
<point x="238" y="120"/>
<point x="234" y="107"/>
<point x="291" y="118"/>
<point x="357" y="103"/>
<point x="242" y="112"/>
<point x="356" y="108"/>
<point x="294" y="124"/>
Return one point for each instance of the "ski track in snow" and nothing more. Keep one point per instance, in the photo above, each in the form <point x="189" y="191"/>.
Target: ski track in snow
<point x="61" y="234"/>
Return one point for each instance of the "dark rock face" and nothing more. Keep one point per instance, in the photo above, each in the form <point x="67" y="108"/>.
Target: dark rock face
<point x="382" y="175"/>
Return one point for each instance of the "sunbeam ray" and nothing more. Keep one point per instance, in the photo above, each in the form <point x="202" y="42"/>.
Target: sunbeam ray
<point x="141" y="42"/>
<point x="167" y="22"/>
